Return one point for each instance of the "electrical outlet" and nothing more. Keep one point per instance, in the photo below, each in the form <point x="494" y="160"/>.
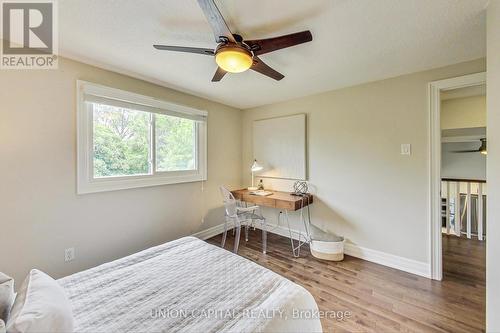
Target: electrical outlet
<point x="69" y="254"/>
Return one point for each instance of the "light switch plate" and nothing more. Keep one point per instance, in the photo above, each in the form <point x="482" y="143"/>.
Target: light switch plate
<point x="405" y="149"/>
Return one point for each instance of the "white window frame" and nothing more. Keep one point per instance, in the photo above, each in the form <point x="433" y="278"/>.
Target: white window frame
<point x="86" y="183"/>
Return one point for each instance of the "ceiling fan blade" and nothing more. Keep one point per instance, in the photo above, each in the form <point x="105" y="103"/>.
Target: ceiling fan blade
<point x="216" y="20"/>
<point x="197" y="50"/>
<point x="465" y="151"/>
<point x="262" y="68"/>
<point x="262" y="46"/>
<point x="219" y="74"/>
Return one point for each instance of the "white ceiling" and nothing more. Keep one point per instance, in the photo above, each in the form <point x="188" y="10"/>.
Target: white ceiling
<point x="479" y="90"/>
<point x="355" y="41"/>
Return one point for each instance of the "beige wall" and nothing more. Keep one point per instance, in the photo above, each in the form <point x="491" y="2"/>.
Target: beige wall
<point x="493" y="173"/>
<point x="40" y="212"/>
<point x="463" y="112"/>
<point x="365" y="189"/>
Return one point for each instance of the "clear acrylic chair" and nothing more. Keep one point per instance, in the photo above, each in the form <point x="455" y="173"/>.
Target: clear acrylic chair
<point x="241" y="216"/>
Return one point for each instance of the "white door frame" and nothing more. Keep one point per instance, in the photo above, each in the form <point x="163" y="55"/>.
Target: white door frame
<point x="435" y="89"/>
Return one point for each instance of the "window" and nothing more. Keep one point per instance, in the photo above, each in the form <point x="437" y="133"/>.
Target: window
<point x="175" y="143"/>
<point x="121" y="141"/>
<point x="126" y="140"/>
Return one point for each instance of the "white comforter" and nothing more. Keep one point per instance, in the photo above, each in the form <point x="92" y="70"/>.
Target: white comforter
<point x="186" y="285"/>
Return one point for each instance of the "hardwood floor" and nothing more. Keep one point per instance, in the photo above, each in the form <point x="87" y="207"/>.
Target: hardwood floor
<point x="382" y="299"/>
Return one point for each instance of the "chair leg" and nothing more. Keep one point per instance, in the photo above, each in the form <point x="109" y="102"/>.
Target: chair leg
<point x="247" y="227"/>
<point x="224" y="235"/>
<point x="264" y="237"/>
<point x="237" y="238"/>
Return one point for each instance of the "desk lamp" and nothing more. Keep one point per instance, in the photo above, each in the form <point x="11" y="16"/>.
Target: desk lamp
<point x="255" y="167"/>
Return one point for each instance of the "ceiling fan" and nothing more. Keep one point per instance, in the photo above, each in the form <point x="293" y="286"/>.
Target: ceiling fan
<point x="482" y="149"/>
<point x="233" y="54"/>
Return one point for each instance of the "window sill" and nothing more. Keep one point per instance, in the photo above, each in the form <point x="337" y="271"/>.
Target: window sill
<point x="123" y="183"/>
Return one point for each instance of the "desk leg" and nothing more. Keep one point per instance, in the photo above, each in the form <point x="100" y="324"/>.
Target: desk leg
<point x="295" y="249"/>
<point x="290" y="231"/>
<point x="300" y="241"/>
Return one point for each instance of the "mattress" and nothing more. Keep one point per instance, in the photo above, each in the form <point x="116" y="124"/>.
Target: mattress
<point x="188" y="285"/>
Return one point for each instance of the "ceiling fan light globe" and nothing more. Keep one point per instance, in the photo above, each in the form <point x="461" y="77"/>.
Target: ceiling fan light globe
<point x="483" y="149"/>
<point x="234" y="60"/>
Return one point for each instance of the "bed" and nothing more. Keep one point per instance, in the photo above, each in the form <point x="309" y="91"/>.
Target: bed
<point x="187" y="285"/>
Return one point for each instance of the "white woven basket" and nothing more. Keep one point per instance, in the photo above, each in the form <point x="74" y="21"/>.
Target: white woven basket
<point x="326" y="246"/>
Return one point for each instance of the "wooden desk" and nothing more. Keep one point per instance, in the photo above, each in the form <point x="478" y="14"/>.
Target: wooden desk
<point x="286" y="202"/>
<point x="280" y="200"/>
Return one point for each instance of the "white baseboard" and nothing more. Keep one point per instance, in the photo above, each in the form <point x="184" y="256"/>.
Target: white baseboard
<point x="389" y="260"/>
<point x="210" y="232"/>
<point x="378" y="257"/>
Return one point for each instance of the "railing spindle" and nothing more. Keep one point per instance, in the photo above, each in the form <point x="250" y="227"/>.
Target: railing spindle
<point x="480" y="211"/>
<point x="469" y="212"/>
<point x="458" y="217"/>
<point x="448" y="208"/>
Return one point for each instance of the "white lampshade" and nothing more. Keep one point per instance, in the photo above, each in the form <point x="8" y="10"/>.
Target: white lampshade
<point x="256" y="166"/>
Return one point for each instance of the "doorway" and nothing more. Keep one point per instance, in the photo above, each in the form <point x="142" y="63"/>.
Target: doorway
<point x="437" y="90"/>
<point x="463" y="188"/>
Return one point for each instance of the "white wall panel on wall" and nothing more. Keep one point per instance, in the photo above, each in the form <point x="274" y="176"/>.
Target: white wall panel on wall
<point x="279" y="144"/>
